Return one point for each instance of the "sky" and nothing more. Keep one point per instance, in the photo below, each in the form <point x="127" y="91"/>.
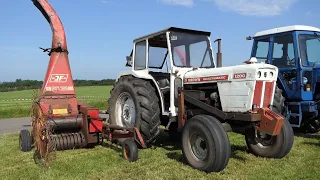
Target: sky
<point x="100" y="32"/>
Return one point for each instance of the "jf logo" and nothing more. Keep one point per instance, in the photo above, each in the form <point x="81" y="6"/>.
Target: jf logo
<point x="58" y="78"/>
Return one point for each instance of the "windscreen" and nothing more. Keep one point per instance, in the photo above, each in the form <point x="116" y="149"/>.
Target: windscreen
<point x="309" y="49"/>
<point x="191" y="50"/>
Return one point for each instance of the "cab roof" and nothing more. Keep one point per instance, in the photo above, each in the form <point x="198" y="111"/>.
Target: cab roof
<point x="174" y="29"/>
<point x="287" y="29"/>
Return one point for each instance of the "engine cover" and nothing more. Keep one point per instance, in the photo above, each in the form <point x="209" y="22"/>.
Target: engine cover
<point x="241" y="87"/>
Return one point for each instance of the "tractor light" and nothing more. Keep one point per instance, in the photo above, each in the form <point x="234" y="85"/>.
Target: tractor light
<point x="308" y="87"/>
<point x="271" y="74"/>
<point x="259" y="74"/>
<point x="254" y="106"/>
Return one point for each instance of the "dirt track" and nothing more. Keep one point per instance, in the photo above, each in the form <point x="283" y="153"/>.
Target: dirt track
<point x="14" y="124"/>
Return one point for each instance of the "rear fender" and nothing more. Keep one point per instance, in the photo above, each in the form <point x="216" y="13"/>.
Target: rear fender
<point x="144" y="74"/>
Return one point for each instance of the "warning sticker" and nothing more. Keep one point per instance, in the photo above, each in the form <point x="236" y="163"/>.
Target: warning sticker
<point x="59" y="88"/>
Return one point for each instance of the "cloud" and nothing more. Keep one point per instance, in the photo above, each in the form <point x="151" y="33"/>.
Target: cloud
<point x="243" y="7"/>
<point x="186" y="3"/>
<point x="255" y="7"/>
<point x="105" y="1"/>
<point x="308" y="14"/>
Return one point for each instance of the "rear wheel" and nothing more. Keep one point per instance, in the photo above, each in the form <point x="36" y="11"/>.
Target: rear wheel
<point x="205" y="144"/>
<point x="134" y="103"/>
<point x="278" y="102"/>
<point x="308" y="125"/>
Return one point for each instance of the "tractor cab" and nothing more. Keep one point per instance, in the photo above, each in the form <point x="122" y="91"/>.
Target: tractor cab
<point x="162" y="55"/>
<point x="295" y="51"/>
<point x="175" y="47"/>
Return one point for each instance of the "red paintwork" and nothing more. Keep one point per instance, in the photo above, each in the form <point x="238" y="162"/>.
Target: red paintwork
<point x="95" y="126"/>
<point x="240" y="76"/>
<point x="263" y="94"/>
<point x="58" y="89"/>
<point x="270" y="122"/>
<point x="257" y="93"/>
<point x="269" y="88"/>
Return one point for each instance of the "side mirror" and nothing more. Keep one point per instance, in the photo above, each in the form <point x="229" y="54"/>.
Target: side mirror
<point x="129" y="61"/>
<point x="249" y="38"/>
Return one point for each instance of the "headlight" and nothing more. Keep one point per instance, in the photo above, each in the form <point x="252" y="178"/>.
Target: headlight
<point x="265" y="74"/>
<point x="305" y="80"/>
<point x="259" y="74"/>
<point x="271" y="74"/>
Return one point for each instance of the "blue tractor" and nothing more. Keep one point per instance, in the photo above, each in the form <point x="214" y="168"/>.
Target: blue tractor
<point x="295" y="50"/>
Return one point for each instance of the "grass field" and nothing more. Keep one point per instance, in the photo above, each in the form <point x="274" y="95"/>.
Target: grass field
<point x="21" y="108"/>
<point x="163" y="161"/>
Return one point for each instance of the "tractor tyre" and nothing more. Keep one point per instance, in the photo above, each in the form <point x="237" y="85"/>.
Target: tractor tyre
<point x="307" y="126"/>
<point x="25" y="140"/>
<point x="278" y="102"/>
<point x="310" y="126"/>
<point x="264" y="145"/>
<point x="205" y="144"/>
<point x="133" y="102"/>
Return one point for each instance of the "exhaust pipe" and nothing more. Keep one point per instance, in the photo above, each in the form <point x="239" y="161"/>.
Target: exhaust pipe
<point x="219" y="54"/>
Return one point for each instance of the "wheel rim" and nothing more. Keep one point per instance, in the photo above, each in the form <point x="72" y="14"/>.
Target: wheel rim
<point x="125" y="110"/>
<point x="264" y="140"/>
<point x="126" y="152"/>
<point x="198" y="145"/>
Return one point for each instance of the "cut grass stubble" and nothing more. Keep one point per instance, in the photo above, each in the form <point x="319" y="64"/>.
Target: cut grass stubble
<point x="162" y="161"/>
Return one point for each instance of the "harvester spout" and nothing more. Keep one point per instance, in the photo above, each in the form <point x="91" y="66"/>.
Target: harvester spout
<point x="58" y="79"/>
<point x="58" y="36"/>
<point x="58" y="88"/>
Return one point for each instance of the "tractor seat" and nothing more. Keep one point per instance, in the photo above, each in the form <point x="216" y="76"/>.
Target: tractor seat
<point x="164" y="85"/>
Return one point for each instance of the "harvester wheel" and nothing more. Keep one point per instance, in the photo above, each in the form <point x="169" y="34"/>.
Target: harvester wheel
<point x="134" y="103"/>
<point x="264" y="145"/>
<point x="205" y="144"/>
<point x="25" y="140"/>
<point x="130" y="150"/>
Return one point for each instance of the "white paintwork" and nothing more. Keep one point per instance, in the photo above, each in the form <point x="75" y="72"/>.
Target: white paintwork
<point x="236" y="95"/>
<point x="253" y="60"/>
<point x="287" y="29"/>
<point x="172" y="109"/>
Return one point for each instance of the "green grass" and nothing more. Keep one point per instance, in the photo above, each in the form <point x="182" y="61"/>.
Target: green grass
<point x="13" y="109"/>
<point x="163" y="161"/>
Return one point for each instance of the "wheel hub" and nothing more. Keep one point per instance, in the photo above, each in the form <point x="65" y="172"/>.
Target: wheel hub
<point x="125" y="110"/>
<point x="198" y="146"/>
<point x="264" y="140"/>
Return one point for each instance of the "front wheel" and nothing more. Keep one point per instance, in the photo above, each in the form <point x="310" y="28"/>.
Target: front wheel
<point x="205" y="144"/>
<point x="264" y="145"/>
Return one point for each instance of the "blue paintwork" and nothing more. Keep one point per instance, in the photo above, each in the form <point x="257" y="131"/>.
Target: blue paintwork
<point x="298" y="101"/>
